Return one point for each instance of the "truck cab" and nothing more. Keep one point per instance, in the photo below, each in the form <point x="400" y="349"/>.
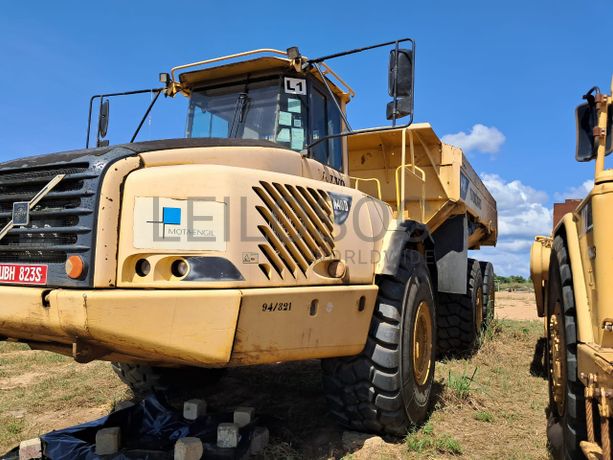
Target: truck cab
<point x="265" y="99"/>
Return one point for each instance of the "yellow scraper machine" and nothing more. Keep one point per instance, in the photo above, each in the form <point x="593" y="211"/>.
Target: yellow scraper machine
<point x="270" y="232"/>
<point x="574" y="295"/>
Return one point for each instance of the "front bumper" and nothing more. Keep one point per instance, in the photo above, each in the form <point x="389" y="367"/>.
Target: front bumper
<point x="196" y="327"/>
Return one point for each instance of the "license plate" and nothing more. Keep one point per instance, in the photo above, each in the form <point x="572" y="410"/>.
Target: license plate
<point x="23" y="274"/>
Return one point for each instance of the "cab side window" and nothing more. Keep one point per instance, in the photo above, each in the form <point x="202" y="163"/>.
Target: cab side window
<point x="325" y="120"/>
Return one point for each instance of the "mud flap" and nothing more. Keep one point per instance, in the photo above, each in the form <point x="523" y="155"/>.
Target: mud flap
<point x="451" y="242"/>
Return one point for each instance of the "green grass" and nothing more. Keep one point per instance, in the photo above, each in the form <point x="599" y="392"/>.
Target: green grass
<point x="484" y="416"/>
<point x="426" y="440"/>
<point x="460" y="385"/>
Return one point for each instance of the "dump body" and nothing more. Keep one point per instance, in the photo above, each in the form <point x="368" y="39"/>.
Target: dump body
<point x="439" y="182"/>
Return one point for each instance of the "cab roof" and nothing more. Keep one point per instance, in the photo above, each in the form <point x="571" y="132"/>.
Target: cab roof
<point x="260" y="65"/>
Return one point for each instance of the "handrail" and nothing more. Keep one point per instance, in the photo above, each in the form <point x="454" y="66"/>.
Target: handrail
<point x="225" y="58"/>
<point x="400" y="193"/>
<point x="349" y="89"/>
<point x="367" y="179"/>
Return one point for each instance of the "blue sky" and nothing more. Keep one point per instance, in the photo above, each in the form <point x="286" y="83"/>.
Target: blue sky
<point x="519" y="67"/>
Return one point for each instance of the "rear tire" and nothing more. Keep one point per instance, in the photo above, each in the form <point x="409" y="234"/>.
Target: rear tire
<point x="143" y="379"/>
<point x="489" y="293"/>
<point x="460" y="316"/>
<point x="386" y="388"/>
<point x="567" y="423"/>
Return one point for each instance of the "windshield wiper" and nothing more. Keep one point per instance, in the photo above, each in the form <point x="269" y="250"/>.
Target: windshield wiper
<point x="239" y="114"/>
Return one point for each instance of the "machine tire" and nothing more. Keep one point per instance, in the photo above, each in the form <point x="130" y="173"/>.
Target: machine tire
<point x="143" y="379"/>
<point x="459" y="324"/>
<point x="489" y="292"/>
<point x="386" y="388"/>
<point x="567" y="423"/>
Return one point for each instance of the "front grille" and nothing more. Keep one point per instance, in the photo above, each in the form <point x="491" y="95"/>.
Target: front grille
<point x="57" y="226"/>
<point x="298" y="228"/>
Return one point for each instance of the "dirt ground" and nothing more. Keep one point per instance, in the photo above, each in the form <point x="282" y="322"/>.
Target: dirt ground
<point x="490" y="405"/>
<point x="518" y="305"/>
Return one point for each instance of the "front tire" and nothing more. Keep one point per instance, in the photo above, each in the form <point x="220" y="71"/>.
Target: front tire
<point x="566" y="392"/>
<point x="387" y="387"/>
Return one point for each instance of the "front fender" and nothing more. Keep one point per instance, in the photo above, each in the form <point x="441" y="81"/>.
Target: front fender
<point x="567" y="228"/>
<point x="539" y="270"/>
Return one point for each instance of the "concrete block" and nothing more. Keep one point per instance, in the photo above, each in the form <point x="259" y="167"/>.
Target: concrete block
<point x="194" y="408"/>
<point x="32" y="448"/>
<point x="259" y="440"/>
<point x="243" y="416"/>
<point x="227" y="435"/>
<point x="188" y="449"/>
<point x="108" y="441"/>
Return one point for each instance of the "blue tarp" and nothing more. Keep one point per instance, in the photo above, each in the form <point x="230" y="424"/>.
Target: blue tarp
<point x="149" y="431"/>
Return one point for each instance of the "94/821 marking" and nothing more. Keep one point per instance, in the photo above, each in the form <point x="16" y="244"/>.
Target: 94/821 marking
<point x="276" y="306"/>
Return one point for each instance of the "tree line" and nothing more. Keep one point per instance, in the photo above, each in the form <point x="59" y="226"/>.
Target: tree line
<point x="513" y="279"/>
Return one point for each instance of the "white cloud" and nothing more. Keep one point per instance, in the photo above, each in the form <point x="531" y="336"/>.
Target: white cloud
<point x="578" y="192"/>
<point x="523" y="213"/>
<point x="481" y="138"/>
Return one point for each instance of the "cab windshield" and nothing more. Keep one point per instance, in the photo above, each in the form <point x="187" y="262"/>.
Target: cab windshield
<point x="262" y="109"/>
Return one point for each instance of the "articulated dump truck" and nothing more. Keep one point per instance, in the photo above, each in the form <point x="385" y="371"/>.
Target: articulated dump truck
<point x="574" y="294"/>
<point x="271" y="232"/>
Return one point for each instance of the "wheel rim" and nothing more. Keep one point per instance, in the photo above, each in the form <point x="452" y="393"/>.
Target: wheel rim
<point x="479" y="309"/>
<point x="557" y="361"/>
<point x="422" y="344"/>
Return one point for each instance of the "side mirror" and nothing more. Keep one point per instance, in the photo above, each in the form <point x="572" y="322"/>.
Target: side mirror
<point x="400" y="84"/>
<point x="103" y="123"/>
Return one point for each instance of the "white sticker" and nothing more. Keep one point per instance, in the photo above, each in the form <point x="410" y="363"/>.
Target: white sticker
<point x="297" y="139"/>
<point x="167" y="223"/>
<point x="294" y="105"/>
<point x="285" y="119"/>
<point x="295" y="86"/>
<point x="284" y="135"/>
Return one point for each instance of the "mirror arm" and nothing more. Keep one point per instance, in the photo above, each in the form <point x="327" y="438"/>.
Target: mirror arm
<point x="93" y="98"/>
<point x="343" y="116"/>
<point x="357" y="50"/>
<point x="601" y="131"/>
<point x="359" y="131"/>
<point x="89" y="120"/>
<point x="142" y="122"/>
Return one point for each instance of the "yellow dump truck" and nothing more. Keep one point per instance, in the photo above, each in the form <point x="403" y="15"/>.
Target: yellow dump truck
<point x="272" y="232"/>
<point x="570" y="271"/>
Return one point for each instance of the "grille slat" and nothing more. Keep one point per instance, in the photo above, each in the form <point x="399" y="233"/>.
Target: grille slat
<point x="285" y="228"/>
<point x="58" y="212"/>
<point x="56" y="226"/>
<point x="21" y="196"/>
<point x="323" y="232"/>
<point x="279" y="249"/>
<point x="42" y="180"/>
<point x="47" y="230"/>
<point x="298" y="228"/>
<point x="40" y="248"/>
